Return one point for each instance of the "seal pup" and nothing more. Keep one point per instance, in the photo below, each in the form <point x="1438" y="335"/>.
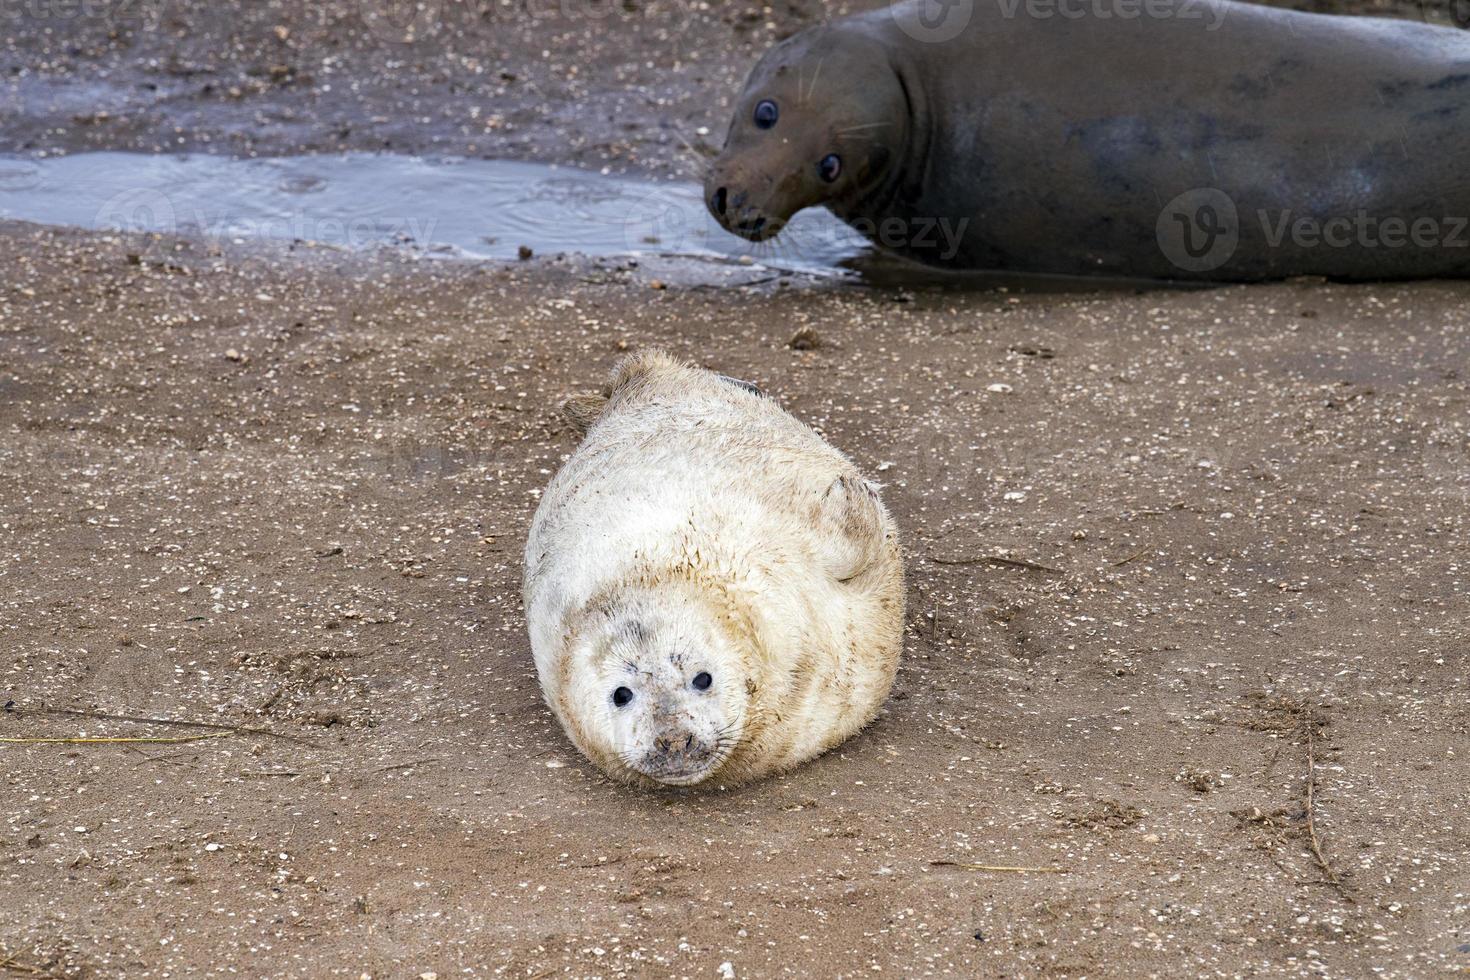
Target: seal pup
<point x="1178" y="139"/>
<point x="713" y="592"/>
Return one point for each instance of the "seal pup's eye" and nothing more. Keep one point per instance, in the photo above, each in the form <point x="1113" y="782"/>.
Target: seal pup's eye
<point x="703" y="680"/>
<point x="622" y="696"/>
<point x="830" y="168"/>
<point x="766" y="114"/>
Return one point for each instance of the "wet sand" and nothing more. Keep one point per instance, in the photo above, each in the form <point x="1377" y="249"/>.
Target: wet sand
<point x="1184" y="689"/>
<point x="288" y="491"/>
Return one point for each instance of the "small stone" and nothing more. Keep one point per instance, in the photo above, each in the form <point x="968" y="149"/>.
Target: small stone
<point x="805" y="338"/>
<point x="727" y="970"/>
<point x="657" y="284"/>
<point x="234" y="355"/>
<point x="525" y="252"/>
<point x="1000" y="388"/>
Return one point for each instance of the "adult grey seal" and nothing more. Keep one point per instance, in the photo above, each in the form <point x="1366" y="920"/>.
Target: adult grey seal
<point x="713" y="592"/>
<point x="1169" y="139"/>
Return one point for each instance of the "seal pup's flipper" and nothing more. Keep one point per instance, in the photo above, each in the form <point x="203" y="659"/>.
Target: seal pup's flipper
<point x="853" y="527"/>
<point x="582" y="410"/>
<point x="629" y="375"/>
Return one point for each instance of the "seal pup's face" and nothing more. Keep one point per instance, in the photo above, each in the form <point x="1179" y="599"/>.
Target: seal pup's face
<point x="656" y="687"/>
<point x="820" y="121"/>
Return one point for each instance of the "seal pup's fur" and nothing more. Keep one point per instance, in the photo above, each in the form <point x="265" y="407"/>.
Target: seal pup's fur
<point x="713" y="592"/>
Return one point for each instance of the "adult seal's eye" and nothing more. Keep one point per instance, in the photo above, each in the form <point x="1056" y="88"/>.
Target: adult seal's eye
<point x="830" y="168"/>
<point x="703" y="680"/>
<point x="622" y="696"/>
<point x="766" y="114"/>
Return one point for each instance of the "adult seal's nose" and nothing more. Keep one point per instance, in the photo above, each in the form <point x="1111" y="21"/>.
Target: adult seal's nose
<point x="718" y="201"/>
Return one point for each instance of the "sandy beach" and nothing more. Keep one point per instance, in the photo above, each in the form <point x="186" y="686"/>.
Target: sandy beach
<point x="1184" y="689"/>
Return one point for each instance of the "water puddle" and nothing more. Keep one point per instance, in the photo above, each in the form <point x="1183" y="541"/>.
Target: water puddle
<point x="488" y="209"/>
<point x="456" y="207"/>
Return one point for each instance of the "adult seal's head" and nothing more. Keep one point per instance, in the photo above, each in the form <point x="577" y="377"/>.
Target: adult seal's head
<point x="821" y="121"/>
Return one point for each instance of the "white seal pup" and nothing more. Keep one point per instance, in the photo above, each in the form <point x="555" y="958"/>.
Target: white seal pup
<point x="713" y="592"/>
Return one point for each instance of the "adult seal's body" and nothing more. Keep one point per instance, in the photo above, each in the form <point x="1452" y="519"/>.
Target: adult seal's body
<point x="1190" y="140"/>
<point x="713" y="592"/>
